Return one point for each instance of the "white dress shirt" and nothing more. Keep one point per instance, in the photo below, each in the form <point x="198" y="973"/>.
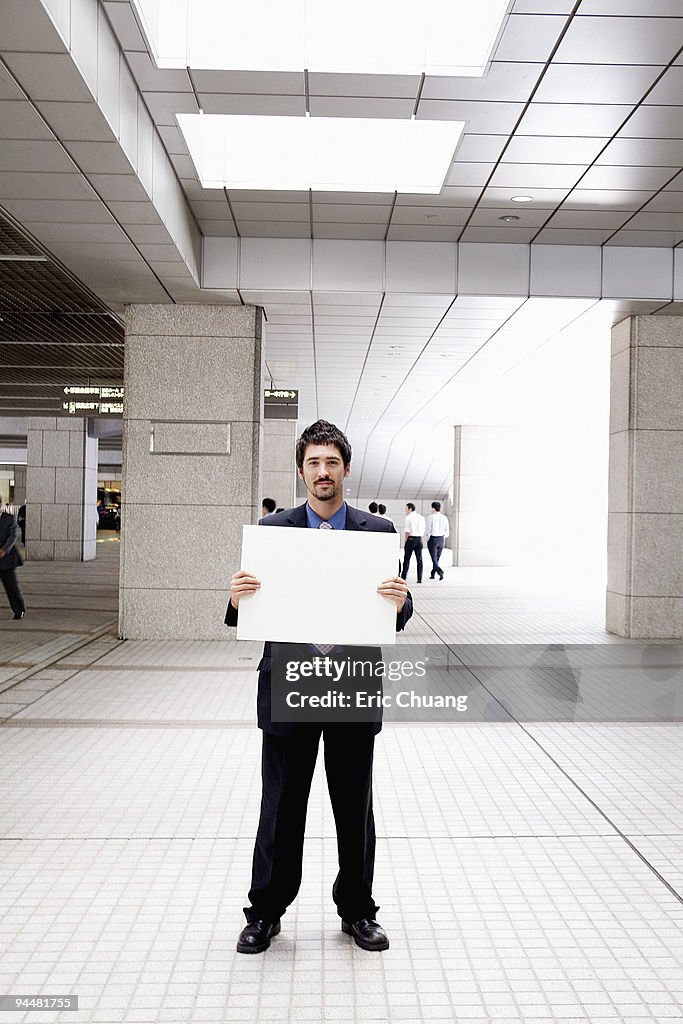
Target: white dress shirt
<point x="415" y="524"/>
<point x="437" y="525"/>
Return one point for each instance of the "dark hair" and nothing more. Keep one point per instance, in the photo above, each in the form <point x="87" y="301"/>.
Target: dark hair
<point x="436" y="505"/>
<point x="381" y="509"/>
<point x="322" y="432"/>
<point x="410" y="505"/>
<point x="268" y="504"/>
<point x="372" y="507"/>
<point x="279" y="509"/>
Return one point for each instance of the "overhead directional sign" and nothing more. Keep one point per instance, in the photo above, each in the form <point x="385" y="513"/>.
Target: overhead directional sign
<point x="280" y="404"/>
<point x="92" y="400"/>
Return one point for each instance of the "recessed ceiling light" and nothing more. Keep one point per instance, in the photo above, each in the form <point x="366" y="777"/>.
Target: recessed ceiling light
<point x="521" y="199"/>
<point x="339" y="154"/>
<point x="509" y="218"/>
<point x="293" y="35"/>
<point x="23" y="259"/>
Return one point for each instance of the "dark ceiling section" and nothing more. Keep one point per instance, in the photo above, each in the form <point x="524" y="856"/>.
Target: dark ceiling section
<point x="53" y="331"/>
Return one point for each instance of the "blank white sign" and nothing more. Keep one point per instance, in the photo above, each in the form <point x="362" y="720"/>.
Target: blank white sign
<point x="318" y="586"/>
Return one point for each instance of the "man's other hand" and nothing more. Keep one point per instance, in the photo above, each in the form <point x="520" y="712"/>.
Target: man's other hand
<point x="242" y="584"/>
<point x="395" y="589"/>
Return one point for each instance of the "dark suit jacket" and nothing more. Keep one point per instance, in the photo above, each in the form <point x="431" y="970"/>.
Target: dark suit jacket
<point x="9" y="535"/>
<point x="355" y="520"/>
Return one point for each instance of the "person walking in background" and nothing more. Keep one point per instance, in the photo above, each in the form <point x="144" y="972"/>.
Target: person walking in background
<point x="21" y="520"/>
<point x="382" y="511"/>
<point x="267" y="507"/>
<point x="413" y="531"/>
<point x="437" y="532"/>
<point x="372" y="507"/>
<point x="9" y="560"/>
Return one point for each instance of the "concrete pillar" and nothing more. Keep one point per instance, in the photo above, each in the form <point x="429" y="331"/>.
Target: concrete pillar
<point x="279" y="472"/>
<point x="61" y="490"/>
<point x="480" y="524"/>
<point x="644" y="560"/>
<point x="192" y="432"/>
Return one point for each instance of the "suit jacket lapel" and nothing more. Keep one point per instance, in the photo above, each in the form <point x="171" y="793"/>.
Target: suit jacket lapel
<point x="297" y="517"/>
<point x="355" y="519"/>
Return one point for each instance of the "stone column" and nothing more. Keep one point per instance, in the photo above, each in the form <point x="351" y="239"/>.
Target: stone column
<point x="644" y="561"/>
<point x="192" y="432"/>
<point x="61" y="490"/>
<point x="480" y="520"/>
<point x="279" y="472"/>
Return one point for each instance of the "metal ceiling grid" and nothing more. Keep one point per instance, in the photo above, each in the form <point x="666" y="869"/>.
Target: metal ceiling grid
<point x="565" y="83"/>
<point x="580" y="107"/>
<point x="53" y="331"/>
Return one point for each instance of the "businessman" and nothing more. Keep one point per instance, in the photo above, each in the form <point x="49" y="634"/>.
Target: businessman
<point x="10" y="559"/>
<point x="323" y="459"/>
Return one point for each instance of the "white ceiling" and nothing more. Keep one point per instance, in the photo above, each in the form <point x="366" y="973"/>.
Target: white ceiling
<point x="581" y="109"/>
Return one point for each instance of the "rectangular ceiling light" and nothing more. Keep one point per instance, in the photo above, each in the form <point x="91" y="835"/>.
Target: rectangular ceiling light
<point x="380" y="37"/>
<point x="338" y="154"/>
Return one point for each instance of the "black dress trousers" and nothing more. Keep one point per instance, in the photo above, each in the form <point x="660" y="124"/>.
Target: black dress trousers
<point x="13" y="591"/>
<point x="435" y="547"/>
<point x="287" y="768"/>
<point x="413" y="544"/>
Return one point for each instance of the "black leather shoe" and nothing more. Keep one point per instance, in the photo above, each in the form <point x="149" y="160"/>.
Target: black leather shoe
<point x="256" y="936"/>
<point x="367" y="934"/>
<point x="19" y="615"/>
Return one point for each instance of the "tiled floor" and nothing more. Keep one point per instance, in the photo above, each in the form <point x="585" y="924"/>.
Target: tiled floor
<point x="528" y="868"/>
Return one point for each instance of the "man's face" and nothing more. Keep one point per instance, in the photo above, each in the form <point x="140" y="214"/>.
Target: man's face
<point x="408" y="510"/>
<point x="323" y="471"/>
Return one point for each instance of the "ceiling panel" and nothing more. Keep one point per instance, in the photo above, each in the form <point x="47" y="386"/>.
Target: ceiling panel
<point x="543" y="198"/>
<point x="620" y="40"/>
<point x="239" y="103"/>
<point x="428" y="215"/>
<point x="373" y="232"/>
<point x="508" y="81"/>
<point x="643" y="152"/>
<point x="490" y="216"/>
<point x="635" y="178"/>
<point x="665" y="202"/>
<point x="513" y="234"/>
<point x="423" y="233"/>
<point x="529" y="176"/>
<point x="655" y="8"/>
<point x="217" y="228"/>
<point x="606" y="199"/>
<point x="669" y="89"/>
<point x="365" y="214"/>
<point x="565" y="218"/>
<point x="483" y="118"/>
<point x="569" y="236"/>
<point x="529" y="37"/>
<point x="472" y="174"/>
<point x="553" y="149"/>
<point x="595" y="83"/>
<point x="656" y="122"/>
<point x="568" y="119"/>
<point x="270" y="211"/>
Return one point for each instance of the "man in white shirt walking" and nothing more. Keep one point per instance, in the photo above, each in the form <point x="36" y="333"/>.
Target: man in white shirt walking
<point x="414" y="529"/>
<point x="437" y="532"/>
